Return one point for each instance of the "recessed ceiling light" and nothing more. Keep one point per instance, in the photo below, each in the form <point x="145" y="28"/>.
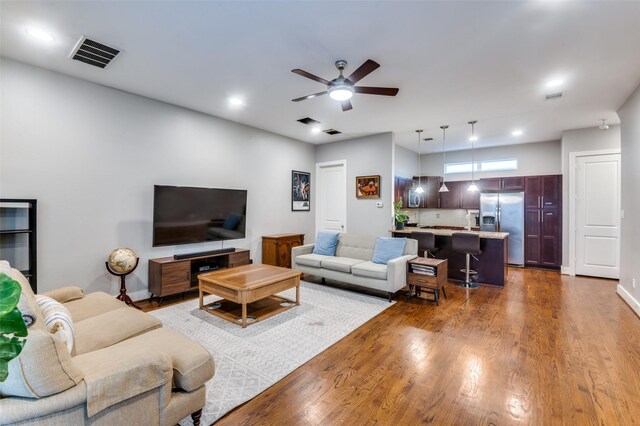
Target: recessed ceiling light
<point x="517" y="133"/>
<point x="39" y="34"/>
<point x="473" y="138"/>
<point x="555" y="83"/>
<point x="315" y="130"/>
<point x="236" y="102"/>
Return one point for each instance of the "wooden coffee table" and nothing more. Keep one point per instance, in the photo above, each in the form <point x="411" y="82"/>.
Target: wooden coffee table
<point x="246" y="284"/>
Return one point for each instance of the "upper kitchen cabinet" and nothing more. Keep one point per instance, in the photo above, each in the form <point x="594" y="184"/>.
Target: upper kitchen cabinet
<point x="451" y="199"/>
<point x="515" y="183"/>
<point x="469" y="199"/>
<point x="401" y="187"/>
<point x="542" y="192"/>
<point x="430" y="198"/>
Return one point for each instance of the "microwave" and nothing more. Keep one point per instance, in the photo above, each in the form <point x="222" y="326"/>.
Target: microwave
<point x="413" y="199"/>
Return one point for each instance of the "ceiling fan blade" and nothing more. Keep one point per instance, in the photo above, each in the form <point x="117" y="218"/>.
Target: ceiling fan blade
<point x="346" y="105"/>
<point x="309" y="96"/>
<point x="384" y="91"/>
<point x="311" y="76"/>
<point x="365" y="69"/>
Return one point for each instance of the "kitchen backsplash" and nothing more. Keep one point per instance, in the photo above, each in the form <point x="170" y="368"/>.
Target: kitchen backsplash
<point x="454" y="217"/>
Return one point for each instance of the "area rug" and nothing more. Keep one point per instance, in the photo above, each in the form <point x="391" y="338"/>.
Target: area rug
<point x="250" y="360"/>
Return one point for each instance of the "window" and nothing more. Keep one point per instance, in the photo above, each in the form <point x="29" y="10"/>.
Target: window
<point x="483" y="166"/>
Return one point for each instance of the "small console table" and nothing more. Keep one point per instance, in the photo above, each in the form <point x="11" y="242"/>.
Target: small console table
<point x="419" y="276"/>
<point x="169" y="276"/>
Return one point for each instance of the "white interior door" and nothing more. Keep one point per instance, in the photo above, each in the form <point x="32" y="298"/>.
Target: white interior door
<point x="331" y="213"/>
<point x="598" y="215"/>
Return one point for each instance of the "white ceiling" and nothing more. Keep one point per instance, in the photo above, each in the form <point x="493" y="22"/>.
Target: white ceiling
<point x="453" y="61"/>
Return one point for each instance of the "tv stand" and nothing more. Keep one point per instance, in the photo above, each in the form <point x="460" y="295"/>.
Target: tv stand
<point x="168" y="275"/>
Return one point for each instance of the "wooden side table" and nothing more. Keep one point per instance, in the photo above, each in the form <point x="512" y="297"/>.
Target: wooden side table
<point x="418" y="279"/>
<point x="276" y="249"/>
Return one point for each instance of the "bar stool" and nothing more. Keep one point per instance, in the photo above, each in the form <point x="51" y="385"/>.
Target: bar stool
<point x="469" y="244"/>
<point x="426" y="243"/>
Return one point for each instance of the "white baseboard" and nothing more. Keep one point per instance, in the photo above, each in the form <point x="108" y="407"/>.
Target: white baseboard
<point x="631" y="301"/>
<point x="565" y="270"/>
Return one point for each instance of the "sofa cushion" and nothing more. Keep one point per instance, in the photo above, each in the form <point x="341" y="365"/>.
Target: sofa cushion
<point x="387" y="249"/>
<point x="356" y="246"/>
<point x="93" y="304"/>
<point x="112" y="327"/>
<point x="57" y="319"/>
<point x="43" y="368"/>
<point x="340" y="264"/>
<point x="313" y="260"/>
<point x="326" y="242"/>
<point x="370" y="270"/>
<point x="65" y="294"/>
<point x="193" y="366"/>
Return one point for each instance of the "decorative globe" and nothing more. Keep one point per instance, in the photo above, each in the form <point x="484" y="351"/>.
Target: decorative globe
<point x="122" y="260"/>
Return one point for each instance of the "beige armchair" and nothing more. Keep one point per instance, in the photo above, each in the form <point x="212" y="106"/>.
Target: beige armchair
<point x="124" y="368"/>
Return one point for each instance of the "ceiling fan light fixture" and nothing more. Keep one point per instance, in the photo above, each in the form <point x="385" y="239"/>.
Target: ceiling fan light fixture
<point x="341" y="92"/>
<point x="604" y="125"/>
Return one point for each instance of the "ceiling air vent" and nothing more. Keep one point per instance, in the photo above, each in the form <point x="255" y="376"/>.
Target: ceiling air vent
<point x="332" y="132"/>
<point x="308" y="120"/>
<point x="553" y="96"/>
<point x="93" y="53"/>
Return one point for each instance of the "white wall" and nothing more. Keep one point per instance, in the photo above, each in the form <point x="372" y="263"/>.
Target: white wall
<point x="405" y="162"/>
<point x="580" y="140"/>
<point x="370" y="155"/>
<point x="541" y="158"/>
<point x="91" y="155"/>
<point x="630" y="233"/>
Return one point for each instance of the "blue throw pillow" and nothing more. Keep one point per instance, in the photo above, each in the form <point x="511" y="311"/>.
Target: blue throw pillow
<point x="232" y="221"/>
<point x="387" y="249"/>
<point x="326" y="242"/>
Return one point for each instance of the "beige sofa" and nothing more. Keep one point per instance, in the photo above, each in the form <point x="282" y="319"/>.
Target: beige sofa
<point x="353" y="263"/>
<point x="124" y="369"/>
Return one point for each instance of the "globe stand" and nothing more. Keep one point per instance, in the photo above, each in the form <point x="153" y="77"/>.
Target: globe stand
<point x="123" y="288"/>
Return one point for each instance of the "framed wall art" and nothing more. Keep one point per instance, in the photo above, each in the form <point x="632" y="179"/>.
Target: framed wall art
<point x="300" y="191"/>
<point x="368" y="186"/>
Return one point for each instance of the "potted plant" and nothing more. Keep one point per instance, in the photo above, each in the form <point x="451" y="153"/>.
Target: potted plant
<point x="401" y="217"/>
<point x="13" y="330"/>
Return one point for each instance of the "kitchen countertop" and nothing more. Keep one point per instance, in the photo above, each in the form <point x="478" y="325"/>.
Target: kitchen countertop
<point x="447" y="232"/>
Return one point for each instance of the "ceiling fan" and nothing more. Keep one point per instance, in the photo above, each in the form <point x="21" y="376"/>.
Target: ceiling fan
<point x="342" y="89"/>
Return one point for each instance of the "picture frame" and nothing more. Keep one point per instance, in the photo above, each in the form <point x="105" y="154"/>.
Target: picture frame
<point x="368" y="186"/>
<point x="300" y="191"/>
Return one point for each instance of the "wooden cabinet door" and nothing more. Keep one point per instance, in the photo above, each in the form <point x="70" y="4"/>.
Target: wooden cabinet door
<point x="469" y="199"/>
<point x="451" y="199"/>
<point x="550" y="191"/>
<point x="431" y="194"/>
<point x="532" y="237"/>
<point x="492" y="184"/>
<point x="550" y="235"/>
<point x="512" y="183"/>
<point x="532" y="192"/>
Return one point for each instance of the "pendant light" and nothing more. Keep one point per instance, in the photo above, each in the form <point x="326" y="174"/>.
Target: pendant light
<point x="419" y="189"/>
<point x="443" y="188"/>
<point x="472" y="187"/>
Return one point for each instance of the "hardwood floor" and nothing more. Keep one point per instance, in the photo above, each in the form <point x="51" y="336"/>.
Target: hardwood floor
<point x="546" y="349"/>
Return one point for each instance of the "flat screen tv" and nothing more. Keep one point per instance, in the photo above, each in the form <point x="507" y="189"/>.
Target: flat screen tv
<point x="186" y="215"/>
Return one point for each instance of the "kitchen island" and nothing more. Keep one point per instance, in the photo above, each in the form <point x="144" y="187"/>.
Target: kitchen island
<point x="491" y="265"/>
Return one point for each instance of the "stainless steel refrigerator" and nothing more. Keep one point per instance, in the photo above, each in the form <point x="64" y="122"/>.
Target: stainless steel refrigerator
<point x="504" y="212"/>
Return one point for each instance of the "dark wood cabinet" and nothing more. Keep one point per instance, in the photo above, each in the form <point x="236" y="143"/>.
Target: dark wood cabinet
<point x="543" y="221"/>
<point x="400" y="188"/>
<point x="515" y="183"/>
<point x="458" y="197"/>
<point x="170" y="276"/>
<point x="451" y="199"/>
<point x="430" y="199"/>
<point x="469" y="199"/>
<point x="276" y="249"/>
